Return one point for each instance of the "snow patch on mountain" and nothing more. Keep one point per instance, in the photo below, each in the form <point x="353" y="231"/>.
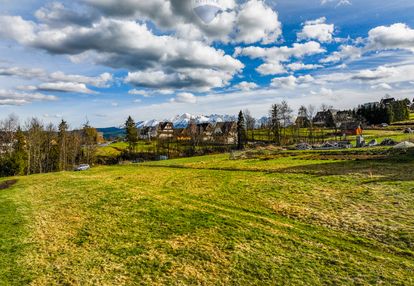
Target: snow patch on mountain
<point x="182" y="121"/>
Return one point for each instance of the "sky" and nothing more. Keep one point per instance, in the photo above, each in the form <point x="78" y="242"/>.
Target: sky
<point x="103" y="60"/>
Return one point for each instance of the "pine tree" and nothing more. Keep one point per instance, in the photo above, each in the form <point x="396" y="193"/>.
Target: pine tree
<point x="63" y="148"/>
<point x="131" y="134"/>
<point x="19" y="156"/>
<point x="241" y="131"/>
<point x="275" y="118"/>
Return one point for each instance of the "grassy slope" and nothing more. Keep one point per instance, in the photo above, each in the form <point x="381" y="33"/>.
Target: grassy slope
<point x="308" y="221"/>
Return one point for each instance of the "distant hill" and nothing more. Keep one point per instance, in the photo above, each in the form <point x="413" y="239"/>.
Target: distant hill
<point x="112" y="132"/>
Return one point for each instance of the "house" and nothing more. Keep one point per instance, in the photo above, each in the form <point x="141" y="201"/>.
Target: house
<point x="225" y="132"/>
<point x="325" y="118"/>
<point x="165" y="130"/>
<point x="182" y="134"/>
<point x="204" y="131"/>
<point x="351" y="128"/>
<point x="387" y="101"/>
<point x="371" y="105"/>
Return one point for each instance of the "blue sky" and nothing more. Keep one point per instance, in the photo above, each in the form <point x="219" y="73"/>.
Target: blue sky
<point x="102" y="60"/>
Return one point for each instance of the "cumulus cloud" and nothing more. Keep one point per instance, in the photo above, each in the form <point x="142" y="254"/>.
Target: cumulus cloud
<point x="133" y="46"/>
<point x="345" y="52"/>
<point x="317" y="30"/>
<point x="275" y="56"/>
<point x="384" y="86"/>
<point x="65" y="87"/>
<point x="57" y="14"/>
<point x="102" y="80"/>
<point x="248" y="22"/>
<point x="257" y="22"/>
<point x="16" y="28"/>
<point x="291" y="82"/>
<point x="284" y="82"/>
<point x="244" y="85"/>
<point x="11" y="97"/>
<point x="371" y="75"/>
<point x="185" y="97"/>
<point x="396" y="36"/>
<point x="302" y="66"/>
<point x="26" y="73"/>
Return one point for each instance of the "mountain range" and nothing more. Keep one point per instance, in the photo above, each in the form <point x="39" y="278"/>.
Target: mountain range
<point x="182" y="121"/>
<point x="179" y="121"/>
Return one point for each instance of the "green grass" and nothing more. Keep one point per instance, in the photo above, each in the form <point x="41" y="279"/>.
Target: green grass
<point x="115" y="149"/>
<point x="273" y="218"/>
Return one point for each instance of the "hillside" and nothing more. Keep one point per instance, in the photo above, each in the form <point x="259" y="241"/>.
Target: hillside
<point x="266" y="218"/>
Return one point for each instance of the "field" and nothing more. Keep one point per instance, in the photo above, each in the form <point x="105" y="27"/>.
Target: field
<point x="260" y="218"/>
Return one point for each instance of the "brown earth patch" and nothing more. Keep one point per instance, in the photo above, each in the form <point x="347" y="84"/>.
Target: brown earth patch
<point x="7" y="184"/>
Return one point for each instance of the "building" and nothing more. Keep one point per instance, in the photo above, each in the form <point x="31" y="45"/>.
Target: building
<point x="225" y="133"/>
<point x="165" y="130"/>
<point x="351" y="128"/>
<point x="204" y="131"/>
<point x="387" y="101"/>
<point x="325" y="118"/>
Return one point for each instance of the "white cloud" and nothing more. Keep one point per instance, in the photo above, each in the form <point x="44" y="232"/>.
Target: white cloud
<point x="275" y="56"/>
<point x="384" y="86"/>
<point x="396" y="36"/>
<point x="185" y="97"/>
<point x="26" y="73"/>
<point x="143" y="93"/>
<point x="11" y="97"/>
<point x="269" y="68"/>
<point x="337" y="2"/>
<point x="317" y="30"/>
<point x="301" y="66"/>
<point x="65" y="87"/>
<point x="257" y="22"/>
<point x="288" y="82"/>
<point x="15" y="28"/>
<point x="134" y="47"/>
<point x="372" y="75"/>
<point x="244" y="85"/>
<point x="100" y="81"/>
<point x="345" y="52"/>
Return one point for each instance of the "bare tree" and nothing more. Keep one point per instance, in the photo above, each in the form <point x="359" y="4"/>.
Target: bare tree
<point x="250" y="122"/>
<point x="8" y="128"/>
<point x="311" y="113"/>
<point x="35" y="140"/>
<point x="286" y="116"/>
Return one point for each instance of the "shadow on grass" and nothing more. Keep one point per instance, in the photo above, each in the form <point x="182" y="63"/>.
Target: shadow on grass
<point x="391" y="167"/>
<point x="394" y="167"/>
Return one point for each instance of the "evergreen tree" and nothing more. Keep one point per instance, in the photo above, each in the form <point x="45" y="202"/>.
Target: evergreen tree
<point x="89" y="140"/>
<point x="19" y="156"/>
<point x="63" y="148"/>
<point x="241" y="131"/>
<point x="275" y="118"/>
<point x="131" y="134"/>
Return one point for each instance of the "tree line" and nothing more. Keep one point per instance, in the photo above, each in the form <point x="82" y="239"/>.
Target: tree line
<point x="395" y="111"/>
<point x="35" y="147"/>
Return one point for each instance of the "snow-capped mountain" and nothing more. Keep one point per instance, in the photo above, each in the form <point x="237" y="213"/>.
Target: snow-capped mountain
<point x="148" y="123"/>
<point x="182" y="121"/>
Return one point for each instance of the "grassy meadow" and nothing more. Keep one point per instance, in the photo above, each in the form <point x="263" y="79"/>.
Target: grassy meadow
<point x="259" y="218"/>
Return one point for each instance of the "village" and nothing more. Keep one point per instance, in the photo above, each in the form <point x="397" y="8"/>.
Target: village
<point x="327" y="129"/>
